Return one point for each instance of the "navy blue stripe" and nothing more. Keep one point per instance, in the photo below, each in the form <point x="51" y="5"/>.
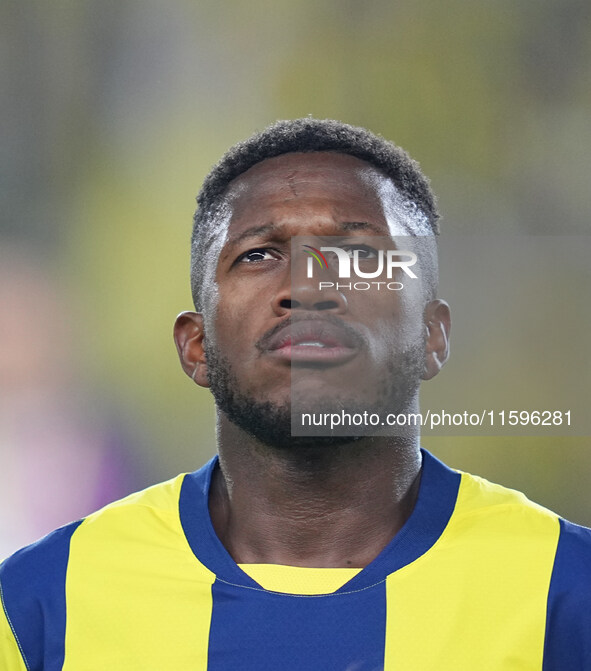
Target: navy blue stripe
<point x="196" y="523"/>
<point x="344" y="630"/>
<point x="568" y="623"/>
<point x="33" y="584"/>
<point x="270" y="631"/>
<point x="435" y="504"/>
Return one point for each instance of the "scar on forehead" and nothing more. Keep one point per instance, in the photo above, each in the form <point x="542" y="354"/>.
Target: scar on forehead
<point x="291" y="184"/>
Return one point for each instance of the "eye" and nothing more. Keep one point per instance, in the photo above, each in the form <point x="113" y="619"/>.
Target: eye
<point x="255" y="256"/>
<point x="363" y="252"/>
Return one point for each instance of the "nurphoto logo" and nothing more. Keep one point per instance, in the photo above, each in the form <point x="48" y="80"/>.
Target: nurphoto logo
<point x="365" y="263"/>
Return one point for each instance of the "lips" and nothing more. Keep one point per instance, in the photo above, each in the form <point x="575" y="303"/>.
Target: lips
<point x="317" y="341"/>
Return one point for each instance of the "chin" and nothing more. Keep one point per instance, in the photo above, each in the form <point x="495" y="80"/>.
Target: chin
<point x="267" y="416"/>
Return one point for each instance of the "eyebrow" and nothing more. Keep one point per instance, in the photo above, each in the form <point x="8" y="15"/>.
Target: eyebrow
<point x="252" y="233"/>
<point x="345" y="226"/>
<point x="360" y="226"/>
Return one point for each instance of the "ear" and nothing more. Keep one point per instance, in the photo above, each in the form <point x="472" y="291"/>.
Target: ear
<point x="189" y="339"/>
<point x="438" y="325"/>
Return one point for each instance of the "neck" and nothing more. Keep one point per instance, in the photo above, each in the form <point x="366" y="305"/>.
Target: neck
<point x="333" y="506"/>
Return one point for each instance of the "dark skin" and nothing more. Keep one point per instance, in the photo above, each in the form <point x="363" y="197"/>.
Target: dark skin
<point x="316" y="507"/>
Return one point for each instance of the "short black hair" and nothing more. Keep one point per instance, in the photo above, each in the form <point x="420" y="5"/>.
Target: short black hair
<point x="303" y="135"/>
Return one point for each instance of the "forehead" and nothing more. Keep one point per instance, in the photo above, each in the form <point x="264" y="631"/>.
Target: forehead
<point x="316" y="179"/>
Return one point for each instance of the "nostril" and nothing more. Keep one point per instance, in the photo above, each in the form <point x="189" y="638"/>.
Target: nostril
<point x="326" y="305"/>
<point x="289" y="304"/>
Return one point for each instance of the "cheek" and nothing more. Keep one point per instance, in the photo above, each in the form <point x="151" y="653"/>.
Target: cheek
<point x="394" y="323"/>
<point x="229" y="327"/>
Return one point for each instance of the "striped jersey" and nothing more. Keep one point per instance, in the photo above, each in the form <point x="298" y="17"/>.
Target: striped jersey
<point x="478" y="578"/>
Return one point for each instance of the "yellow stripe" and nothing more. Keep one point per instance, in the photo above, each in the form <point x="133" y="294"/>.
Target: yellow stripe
<point x="477" y="599"/>
<point x="10" y="655"/>
<point x="297" y="579"/>
<point x="137" y="598"/>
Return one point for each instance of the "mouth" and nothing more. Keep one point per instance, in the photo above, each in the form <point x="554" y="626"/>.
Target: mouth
<point x="313" y="341"/>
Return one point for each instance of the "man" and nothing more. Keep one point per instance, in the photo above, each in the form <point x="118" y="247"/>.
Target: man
<point x="354" y="551"/>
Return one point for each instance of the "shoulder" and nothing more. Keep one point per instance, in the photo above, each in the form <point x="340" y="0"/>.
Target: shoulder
<point x="539" y="536"/>
<point x="150" y="508"/>
<point x="476" y="498"/>
<point x="33" y="580"/>
<point x="506" y="515"/>
<point x="37" y="562"/>
<point x="479" y="497"/>
<point x="479" y="494"/>
<point x="534" y="538"/>
<point x="35" y="565"/>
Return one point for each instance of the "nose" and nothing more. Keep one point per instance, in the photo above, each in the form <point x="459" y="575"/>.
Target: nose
<point x="300" y="292"/>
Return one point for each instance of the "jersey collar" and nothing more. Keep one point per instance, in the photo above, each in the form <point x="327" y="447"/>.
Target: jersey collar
<point x="433" y="509"/>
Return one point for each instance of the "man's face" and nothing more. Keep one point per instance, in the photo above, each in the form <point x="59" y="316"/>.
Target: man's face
<point x="271" y="336"/>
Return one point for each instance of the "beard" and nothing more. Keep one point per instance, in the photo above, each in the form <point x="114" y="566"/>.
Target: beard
<point x="271" y="423"/>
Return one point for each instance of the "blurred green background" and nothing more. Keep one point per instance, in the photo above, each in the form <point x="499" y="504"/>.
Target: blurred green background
<point x="112" y="114"/>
